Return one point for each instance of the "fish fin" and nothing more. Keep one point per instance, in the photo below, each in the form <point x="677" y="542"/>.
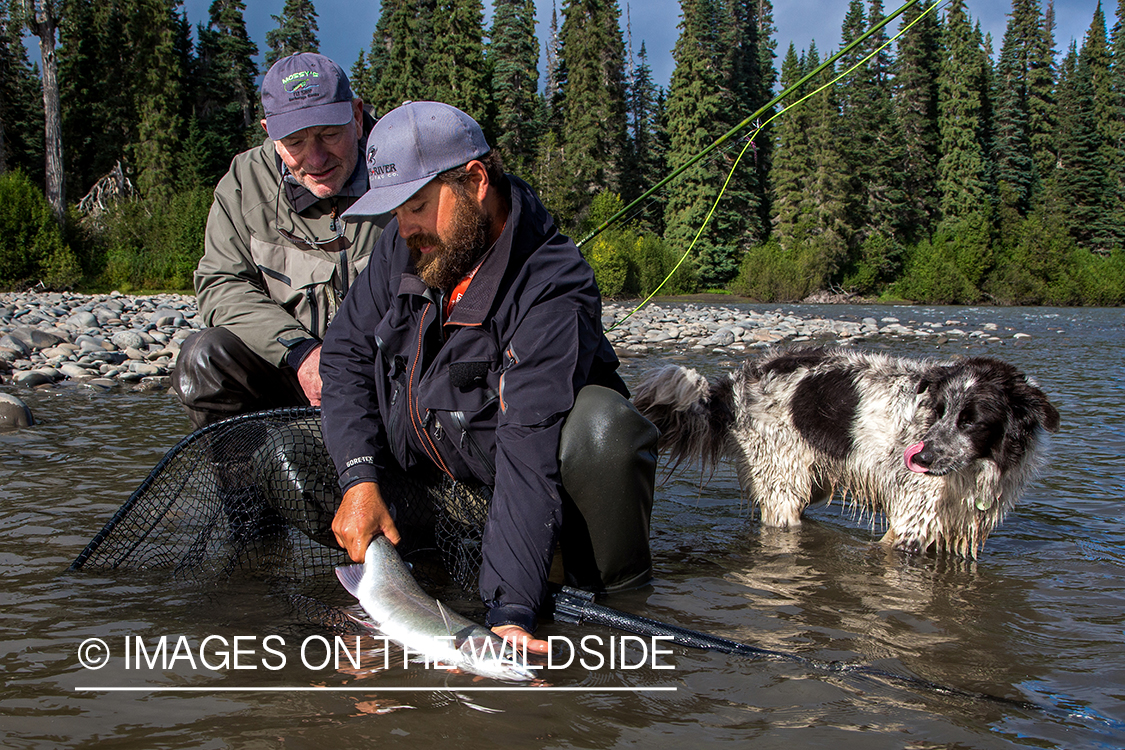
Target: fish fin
<point x="445" y="618"/>
<point x="350" y="576"/>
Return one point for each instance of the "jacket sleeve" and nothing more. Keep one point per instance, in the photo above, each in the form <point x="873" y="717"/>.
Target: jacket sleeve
<point x="229" y="288"/>
<point x="350" y="421"/>
<point x="548" y="361"/>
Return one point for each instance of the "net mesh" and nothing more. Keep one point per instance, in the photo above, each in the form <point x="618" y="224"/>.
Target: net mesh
<point x="256" y="494"/>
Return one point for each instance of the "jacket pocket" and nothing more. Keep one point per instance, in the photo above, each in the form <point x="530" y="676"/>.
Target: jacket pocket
<point x="299" y="281"/>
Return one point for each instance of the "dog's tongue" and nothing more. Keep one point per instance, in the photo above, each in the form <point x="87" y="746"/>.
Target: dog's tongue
<point x="911" y="452"/>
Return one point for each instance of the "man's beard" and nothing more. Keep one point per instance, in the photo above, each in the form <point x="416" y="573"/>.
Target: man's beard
<point x="451" y="259"/>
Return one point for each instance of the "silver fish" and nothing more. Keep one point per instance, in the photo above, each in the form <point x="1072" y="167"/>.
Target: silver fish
<point x="422" y="624"/>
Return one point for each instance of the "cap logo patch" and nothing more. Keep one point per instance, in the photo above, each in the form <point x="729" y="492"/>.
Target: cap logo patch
<point x="378" y="171"/>
<point x="301" y="84"/>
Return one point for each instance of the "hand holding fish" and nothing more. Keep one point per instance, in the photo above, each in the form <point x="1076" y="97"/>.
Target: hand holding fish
<point x="362" y="516"/>
<point x="517" y="636"/>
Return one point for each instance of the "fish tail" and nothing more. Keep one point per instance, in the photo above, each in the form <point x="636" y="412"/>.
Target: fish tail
<point x="350" y="576"/>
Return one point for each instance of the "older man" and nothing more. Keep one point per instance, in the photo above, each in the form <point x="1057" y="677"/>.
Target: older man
<point x="278" y="257"/>
<point x="473" y="345"/>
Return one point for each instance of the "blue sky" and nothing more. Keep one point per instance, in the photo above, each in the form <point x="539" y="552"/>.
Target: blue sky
<point x="346" y="25"/>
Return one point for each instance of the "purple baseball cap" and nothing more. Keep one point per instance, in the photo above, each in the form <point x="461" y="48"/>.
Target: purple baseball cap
<point x="409" y="146"/>
<point x="305" y="90"/>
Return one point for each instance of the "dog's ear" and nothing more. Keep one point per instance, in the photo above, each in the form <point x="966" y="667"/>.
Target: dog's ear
<point x="1047" y="416"/>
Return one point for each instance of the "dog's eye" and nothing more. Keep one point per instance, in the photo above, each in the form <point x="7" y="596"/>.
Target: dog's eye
<point x="939" y="409"/>
<point x="967" y="416"/>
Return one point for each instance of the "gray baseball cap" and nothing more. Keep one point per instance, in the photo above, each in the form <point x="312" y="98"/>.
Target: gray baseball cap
<point x="409" y="146"/>
<point x="305" y="90"/>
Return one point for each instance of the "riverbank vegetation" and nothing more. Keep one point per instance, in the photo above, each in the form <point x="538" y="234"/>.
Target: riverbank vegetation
<point x="946" y="167"/>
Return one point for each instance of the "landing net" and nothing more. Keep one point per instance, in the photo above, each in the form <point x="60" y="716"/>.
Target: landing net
<point x="256" y="494"/>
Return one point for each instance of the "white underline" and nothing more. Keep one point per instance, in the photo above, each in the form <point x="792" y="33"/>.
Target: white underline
<point x="476" y="689"/>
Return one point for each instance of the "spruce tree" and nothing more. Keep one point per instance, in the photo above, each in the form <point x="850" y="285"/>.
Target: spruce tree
<point x="1094" y="55"/>
<point x="962" y="172"/>
<point x="455" y="65"/>
<point x="1082" y="178"/>
<point x="793" y="171"/>
<point x="153" y="32"/>
<point x="1041" y="108"/>
<point x="695" y="103"/>
<point x="646" y="158"/>
<point x="295" y="32"/>
<point x="1011" y="144"/>
<point x="593" y="131"/>
<point x="21" y="104"/>
<point x="360" y="77"/>
<point x="397" y="58"/>
<point x="915" y="95"/>
<point x="99" y="121"/>
<point x="830" y="232"/>
<point x="514" y="57"/>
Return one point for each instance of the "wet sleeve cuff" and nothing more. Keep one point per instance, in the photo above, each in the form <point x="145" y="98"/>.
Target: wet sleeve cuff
<point x="360" y="470"/>
<point x="300" y="351"/>
<point x="511" y="614"/>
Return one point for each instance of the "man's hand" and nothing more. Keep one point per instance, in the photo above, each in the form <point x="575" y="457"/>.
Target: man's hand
<point x="517" y="636"/>
<point x="362" y="516"/>
<point x="308" y="374"/>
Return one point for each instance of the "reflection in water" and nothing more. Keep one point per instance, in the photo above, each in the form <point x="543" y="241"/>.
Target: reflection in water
<point x="1039" y="616"/>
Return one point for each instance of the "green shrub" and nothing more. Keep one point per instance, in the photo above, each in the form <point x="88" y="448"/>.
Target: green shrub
<point x="934" y="276"/>
<point x="32" y="248"/>
<point x="153" y="243"/>
<point x="770" y="273"/>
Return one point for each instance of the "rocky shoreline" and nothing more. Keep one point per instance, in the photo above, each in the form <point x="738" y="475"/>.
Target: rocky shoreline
<point x="107" y="341"/>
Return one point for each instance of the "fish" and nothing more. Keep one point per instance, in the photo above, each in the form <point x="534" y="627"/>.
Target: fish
<point x="406" y="614"/>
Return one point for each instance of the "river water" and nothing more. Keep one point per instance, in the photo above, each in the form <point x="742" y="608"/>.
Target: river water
<point x="1038" y="619"/>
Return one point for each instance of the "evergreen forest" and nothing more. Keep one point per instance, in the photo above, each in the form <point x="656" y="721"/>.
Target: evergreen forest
<point x="942" y="166"/>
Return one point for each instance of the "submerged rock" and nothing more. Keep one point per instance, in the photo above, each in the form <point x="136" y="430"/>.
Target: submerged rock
<point x="14" y="413"/>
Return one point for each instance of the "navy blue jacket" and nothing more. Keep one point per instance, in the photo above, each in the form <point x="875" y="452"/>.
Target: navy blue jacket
<point x="482" y="397"/>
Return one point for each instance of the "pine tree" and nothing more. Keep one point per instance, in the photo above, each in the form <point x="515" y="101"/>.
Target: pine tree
<point x="1041" y="107"/>
<point x="915" y="96"/>
<point x="295" y="32"/>
<point x="593" y="111"/>
<point x="1011" y="145"/>
<point x="1082" y="180"/>
<point x="646" y="159"/>
<point x="99" y="121"/>
<point x="1095" y="56"/>
<point x="226" y="63"/>
<point x="874" y="150"/>
<point x="695" y="103"/>
<point x="397" y="58"/>
<point x="455" y="66"/>
<point x="226" y="104"/>
<point x="793" y="169"/>
<point x="21" y="104"/>
<point x="153" y="31"/>
<point x="514" y="57"/>
<point x="962" y="172"/>
<point x="360" y="77"/>
<point x="829" y="240"/>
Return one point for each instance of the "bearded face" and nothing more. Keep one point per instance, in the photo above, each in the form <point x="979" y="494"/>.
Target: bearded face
<point x="454" y="255"/>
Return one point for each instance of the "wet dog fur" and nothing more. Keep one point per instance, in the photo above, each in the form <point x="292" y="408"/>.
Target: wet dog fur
<point x="942" y="448"/>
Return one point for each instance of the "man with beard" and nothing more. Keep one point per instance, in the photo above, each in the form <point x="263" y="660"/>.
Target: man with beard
<point x="472" y="346"/>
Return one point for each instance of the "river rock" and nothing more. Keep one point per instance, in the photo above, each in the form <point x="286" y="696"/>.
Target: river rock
<point x="31" y="378"/>
<point x="127" y="340"/>
<point x="14" y="413"/>
<point x="37" y="338"/>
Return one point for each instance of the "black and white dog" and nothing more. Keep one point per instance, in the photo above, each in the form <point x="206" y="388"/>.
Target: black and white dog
<point x="943" y="449"/>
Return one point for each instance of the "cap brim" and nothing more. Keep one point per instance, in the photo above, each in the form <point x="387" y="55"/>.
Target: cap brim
<point x="287" y="123"/>
<point x="382" y="199"/>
